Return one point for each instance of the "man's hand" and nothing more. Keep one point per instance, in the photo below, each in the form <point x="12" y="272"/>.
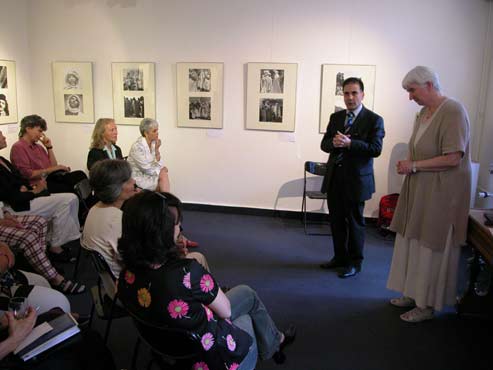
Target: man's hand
<point x="341" y="140"/>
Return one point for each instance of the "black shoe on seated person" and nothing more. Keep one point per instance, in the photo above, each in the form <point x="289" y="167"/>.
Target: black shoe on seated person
<point x="289" y="337"/>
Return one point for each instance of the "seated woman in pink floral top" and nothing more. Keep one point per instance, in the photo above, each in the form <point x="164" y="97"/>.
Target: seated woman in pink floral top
<point x="163" y="289"/>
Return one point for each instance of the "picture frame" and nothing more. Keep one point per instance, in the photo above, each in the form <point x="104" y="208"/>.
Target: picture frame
<point x="8" y="92"/>
<point x="271" y="96"/>
<point x="332" y="97"/>
<point x="134" y="92"/>
<point x="199" y="93"/>
<point x="73" y="92"/>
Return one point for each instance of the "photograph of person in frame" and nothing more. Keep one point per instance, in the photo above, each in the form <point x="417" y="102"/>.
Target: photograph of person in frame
<point x="133" y="79"/>
<point x="4" y="106"/>
<point x="133" y="106"/>
<point x="72" y="80"/>
<point x="199" y="108"/>
<point x="270" y="110"/>
<point x="73" y="104"/>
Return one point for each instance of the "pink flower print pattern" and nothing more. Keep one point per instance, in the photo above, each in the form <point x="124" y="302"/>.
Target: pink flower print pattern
<point x="186" y="281"/>
<point x="207" y="341"/>
<point x="177" y="309"/>
<point x="233" y="366"/>
<point x="200" y="366"/>
<point x="206" y="283"/>
<point x="129" y="277"/>
<point x="231" y="342"/>
<point x="208" y="313"/>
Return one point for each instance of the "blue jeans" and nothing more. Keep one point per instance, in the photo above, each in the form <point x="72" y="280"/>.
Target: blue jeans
<point x="245" y="302"/>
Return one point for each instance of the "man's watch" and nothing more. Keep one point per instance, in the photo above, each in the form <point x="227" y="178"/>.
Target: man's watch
<point x="414" y="169"/>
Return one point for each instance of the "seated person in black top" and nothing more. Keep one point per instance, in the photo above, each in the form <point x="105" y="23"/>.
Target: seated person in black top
<point x="103" y="145"/>
<point x="162" y="288"/>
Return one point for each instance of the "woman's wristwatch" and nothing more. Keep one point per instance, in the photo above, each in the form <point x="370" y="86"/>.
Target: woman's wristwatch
<point x="414" y="169"/>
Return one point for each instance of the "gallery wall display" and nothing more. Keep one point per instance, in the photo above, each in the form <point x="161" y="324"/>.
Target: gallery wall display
<point x="134" y="92"/>
<point x="332" y="97"/>
<point x="199" y="90"/>
<point x="73" y="92"/>
<point x="8" y="92"/>
<point x="271" y="96"/>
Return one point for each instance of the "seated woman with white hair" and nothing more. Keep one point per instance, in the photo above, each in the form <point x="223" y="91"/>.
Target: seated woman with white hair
<point x="148" y="169"/>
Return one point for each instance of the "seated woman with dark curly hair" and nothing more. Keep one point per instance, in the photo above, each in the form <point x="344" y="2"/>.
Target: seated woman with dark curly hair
<point x="163" y="289"/>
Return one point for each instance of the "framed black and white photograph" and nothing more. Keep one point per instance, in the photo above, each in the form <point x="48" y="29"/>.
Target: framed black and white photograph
<point x="272" y="81"/>
<point x="73" y="92"/>
<point x="271" y="96"/>
<point x="133" y="79"/>
<point x="270" y="110"/>
<point x="199" y="108"/>
<point x="199" y="79"/>
<point x="134" y="106"/>
<point x="73" y="104"/>
<point x="200" y="95"/>
<point x="8" y="92"/>
<point x="134" y="92"/>
<point x="332" y="96"/>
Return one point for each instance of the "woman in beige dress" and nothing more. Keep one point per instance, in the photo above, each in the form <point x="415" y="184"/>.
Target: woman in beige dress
<point x="431" y="216"/>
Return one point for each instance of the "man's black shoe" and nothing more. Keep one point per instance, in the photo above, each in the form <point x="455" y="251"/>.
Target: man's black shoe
<point x="332" y="264"/>
<point x="349" y="271"/>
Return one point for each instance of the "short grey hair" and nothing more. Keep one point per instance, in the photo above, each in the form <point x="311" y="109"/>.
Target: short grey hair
<point x="147" y="124"/>
<point x="107" y="178"/>
<point x="421" y="75"/>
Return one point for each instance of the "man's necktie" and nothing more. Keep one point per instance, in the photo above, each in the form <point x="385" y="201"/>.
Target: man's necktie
<point x="347" y="127"/>
<point x="349" y="122"/>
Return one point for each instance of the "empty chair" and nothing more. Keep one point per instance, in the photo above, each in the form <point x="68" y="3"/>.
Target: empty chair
<point x="317" y="169"/>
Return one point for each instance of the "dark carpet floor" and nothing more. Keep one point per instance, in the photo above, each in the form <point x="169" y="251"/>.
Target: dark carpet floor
<point x="342" y="324"/>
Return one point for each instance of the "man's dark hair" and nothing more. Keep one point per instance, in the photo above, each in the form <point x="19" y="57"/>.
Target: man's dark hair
<point x="354" y="80"/>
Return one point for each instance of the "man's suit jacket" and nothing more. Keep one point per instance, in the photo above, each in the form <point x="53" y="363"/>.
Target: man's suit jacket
<point x="367" y="134"/>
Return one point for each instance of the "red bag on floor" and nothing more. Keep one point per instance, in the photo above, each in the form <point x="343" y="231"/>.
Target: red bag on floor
<point x="386" y="210"/>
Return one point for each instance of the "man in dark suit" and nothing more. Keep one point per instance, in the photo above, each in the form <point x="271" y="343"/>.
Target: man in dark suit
<point x="354" y="137"/>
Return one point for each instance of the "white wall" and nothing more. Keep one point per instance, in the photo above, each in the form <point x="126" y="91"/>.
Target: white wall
<point x="14" y="45"/>
<point x="247" y="168"/>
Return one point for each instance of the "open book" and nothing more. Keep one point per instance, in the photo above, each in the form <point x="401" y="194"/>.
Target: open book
<point x="47" y="335"/>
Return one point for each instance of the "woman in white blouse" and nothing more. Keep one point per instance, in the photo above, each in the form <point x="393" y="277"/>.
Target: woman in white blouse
<point x="148" y="169"/>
